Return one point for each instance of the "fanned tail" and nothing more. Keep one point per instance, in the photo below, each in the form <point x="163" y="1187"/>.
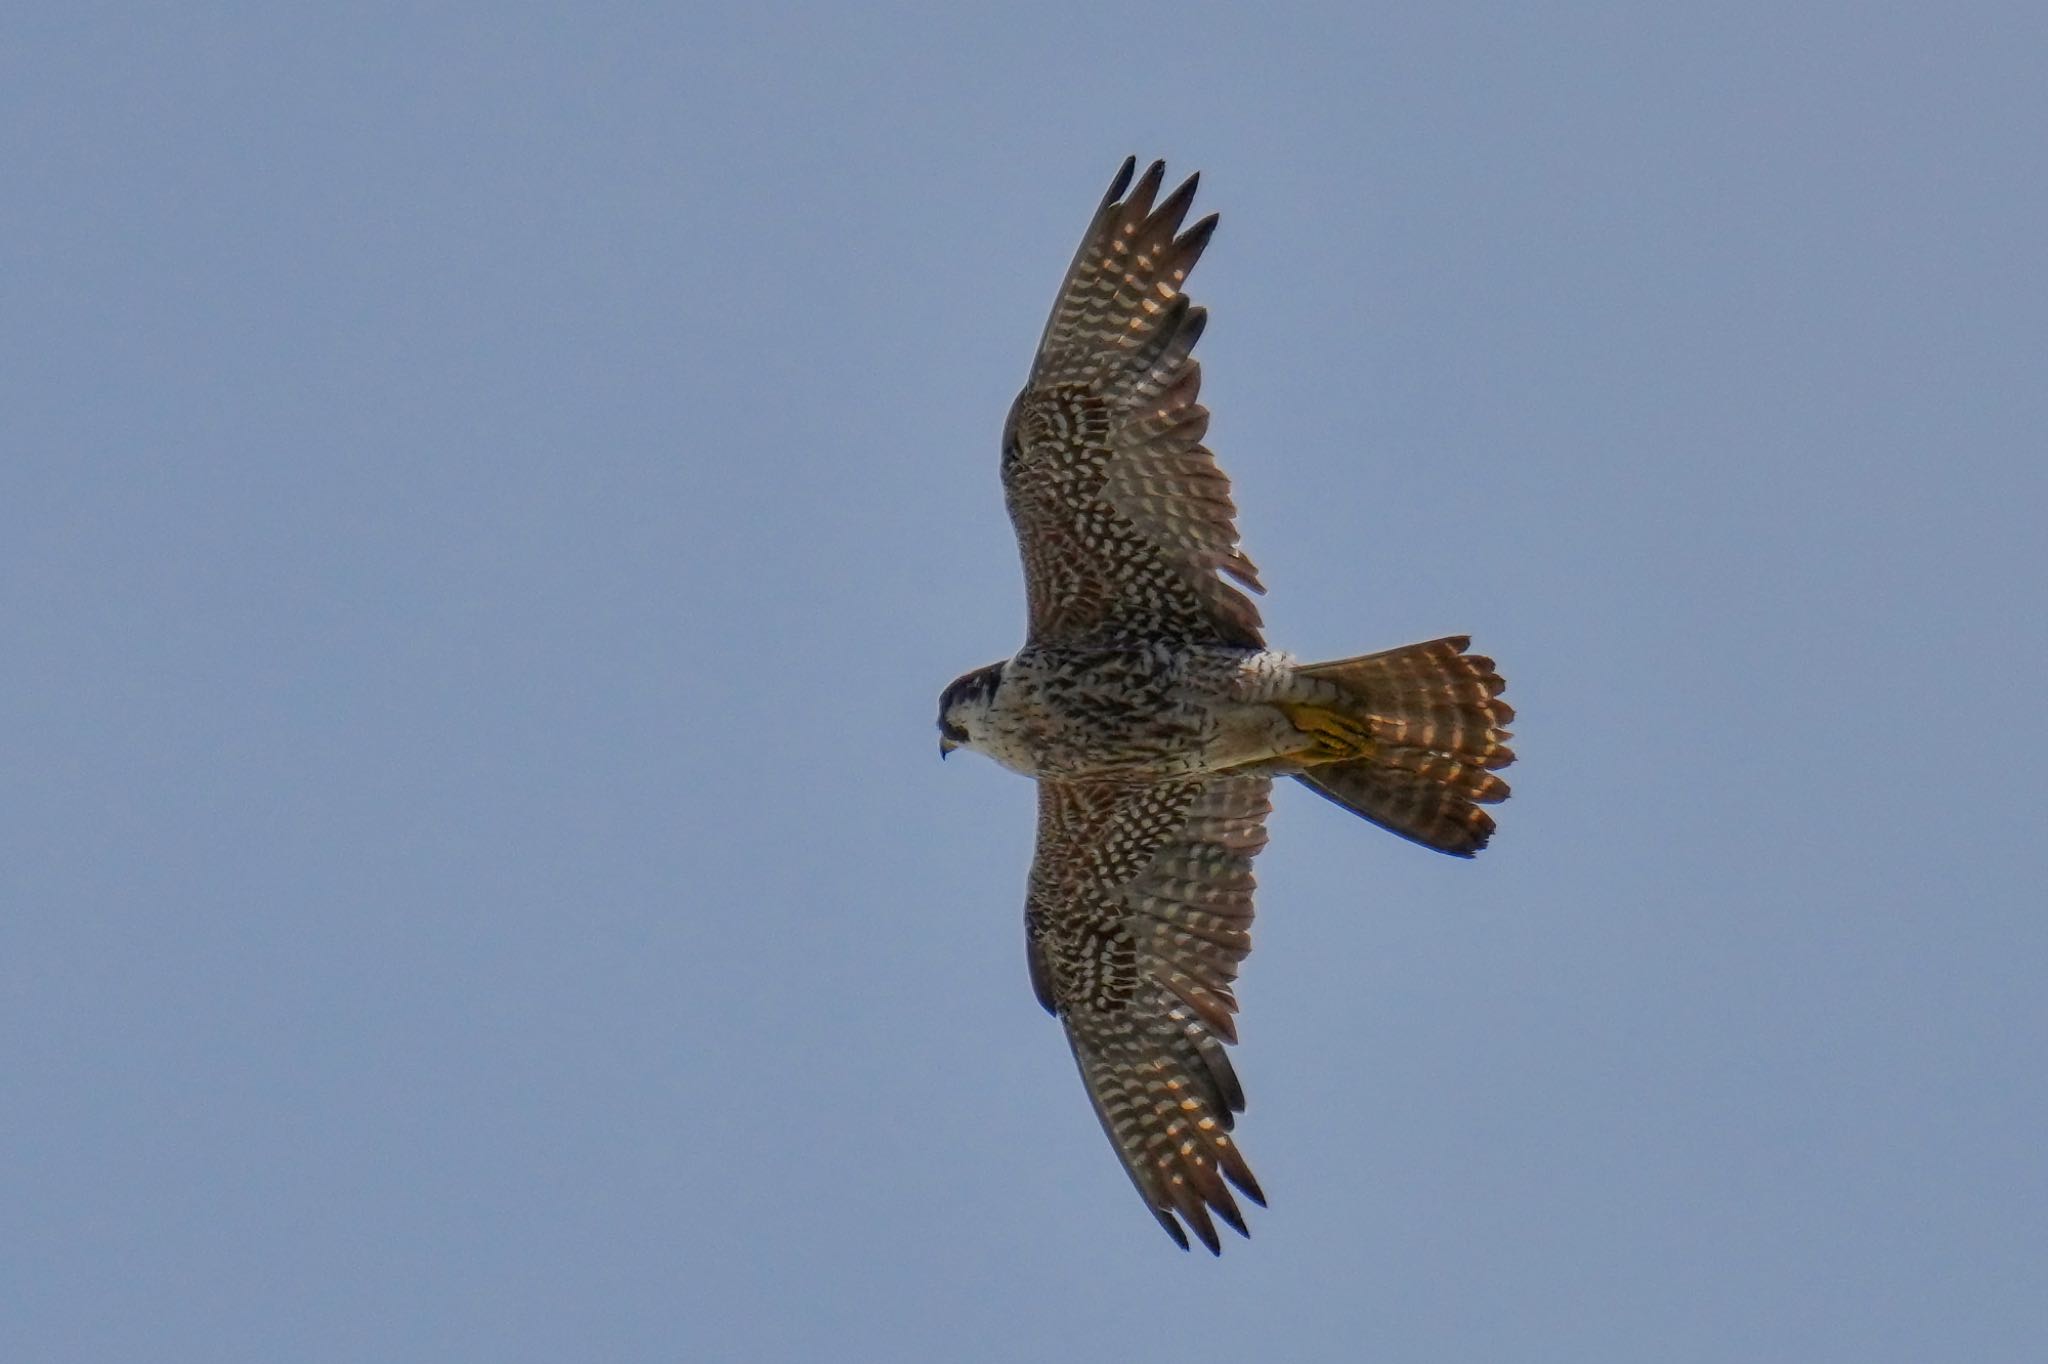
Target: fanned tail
<point x="1427" y="730"/>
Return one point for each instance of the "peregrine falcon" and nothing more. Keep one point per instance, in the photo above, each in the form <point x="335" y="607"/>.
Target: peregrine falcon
<point x="1154" y="718"/>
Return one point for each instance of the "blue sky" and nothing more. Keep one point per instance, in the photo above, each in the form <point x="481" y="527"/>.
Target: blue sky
<point x="490" y="496"/>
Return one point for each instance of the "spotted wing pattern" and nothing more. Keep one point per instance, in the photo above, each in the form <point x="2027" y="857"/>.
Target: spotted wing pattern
<point x="1138" y="913"/>
<point x="1122" y="516"/>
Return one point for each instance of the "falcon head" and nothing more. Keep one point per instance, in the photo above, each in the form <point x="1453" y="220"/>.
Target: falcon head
<point x="964" y="706"/>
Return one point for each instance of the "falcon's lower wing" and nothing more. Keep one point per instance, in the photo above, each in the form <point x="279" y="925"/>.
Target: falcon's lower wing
<point x="1139" y="910"/>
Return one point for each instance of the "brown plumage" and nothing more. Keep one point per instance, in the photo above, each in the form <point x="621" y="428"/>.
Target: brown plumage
<point x="1121" y="513"/>
<point x="1138" y="912"/>
<point x="1154" y="718"/>
<point x="1438" y="726"/>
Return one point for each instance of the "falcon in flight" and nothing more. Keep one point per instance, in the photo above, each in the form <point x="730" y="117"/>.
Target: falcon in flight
<point x="1154" y="718"/>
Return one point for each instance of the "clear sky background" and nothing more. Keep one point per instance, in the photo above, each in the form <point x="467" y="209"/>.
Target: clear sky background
<point x="490" y="494"/>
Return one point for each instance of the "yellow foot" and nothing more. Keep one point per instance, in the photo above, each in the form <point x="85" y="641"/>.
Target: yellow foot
<point x="1332" y="737"/>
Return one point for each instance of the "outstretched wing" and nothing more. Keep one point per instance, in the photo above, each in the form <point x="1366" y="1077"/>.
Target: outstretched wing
<point x="1139" y="910"/>
<point x="1123" y="518"/>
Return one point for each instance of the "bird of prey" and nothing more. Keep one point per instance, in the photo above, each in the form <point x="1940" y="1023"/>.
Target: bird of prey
<point x="1154" y="718"/>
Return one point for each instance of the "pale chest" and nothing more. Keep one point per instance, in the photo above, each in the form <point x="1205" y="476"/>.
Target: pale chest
<point x="1149" y="711"/>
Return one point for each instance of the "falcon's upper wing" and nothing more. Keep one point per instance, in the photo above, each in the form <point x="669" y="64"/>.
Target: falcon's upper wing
<point x="1123" y="518"/>
<point x="1139" y="910"/>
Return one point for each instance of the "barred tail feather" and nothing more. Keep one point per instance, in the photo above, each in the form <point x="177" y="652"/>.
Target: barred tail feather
<point x="1414" y="807"/>
<point x="1437" y="728"/>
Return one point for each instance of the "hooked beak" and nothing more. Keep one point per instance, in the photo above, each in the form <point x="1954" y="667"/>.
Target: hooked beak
<point x="947" y="745"/>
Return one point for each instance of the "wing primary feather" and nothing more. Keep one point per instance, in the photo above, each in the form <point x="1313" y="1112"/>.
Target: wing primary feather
<point x="1138" y="206"/>
<point x="1118" y="185"/>
<point x="1214" y="1192"/>
<point x="1217" y="1062"/>
<point x="1226" y="1208"/>
<point x="1165" y="219"/>
<point x="1186" y="250"/>
<point x="1189" y="245"/>
<point x="1180" y="1238"/>
<point x="1231" y="1161"/>
<point x="1161" y="338"/>
<point x="1195" y="1212"/>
